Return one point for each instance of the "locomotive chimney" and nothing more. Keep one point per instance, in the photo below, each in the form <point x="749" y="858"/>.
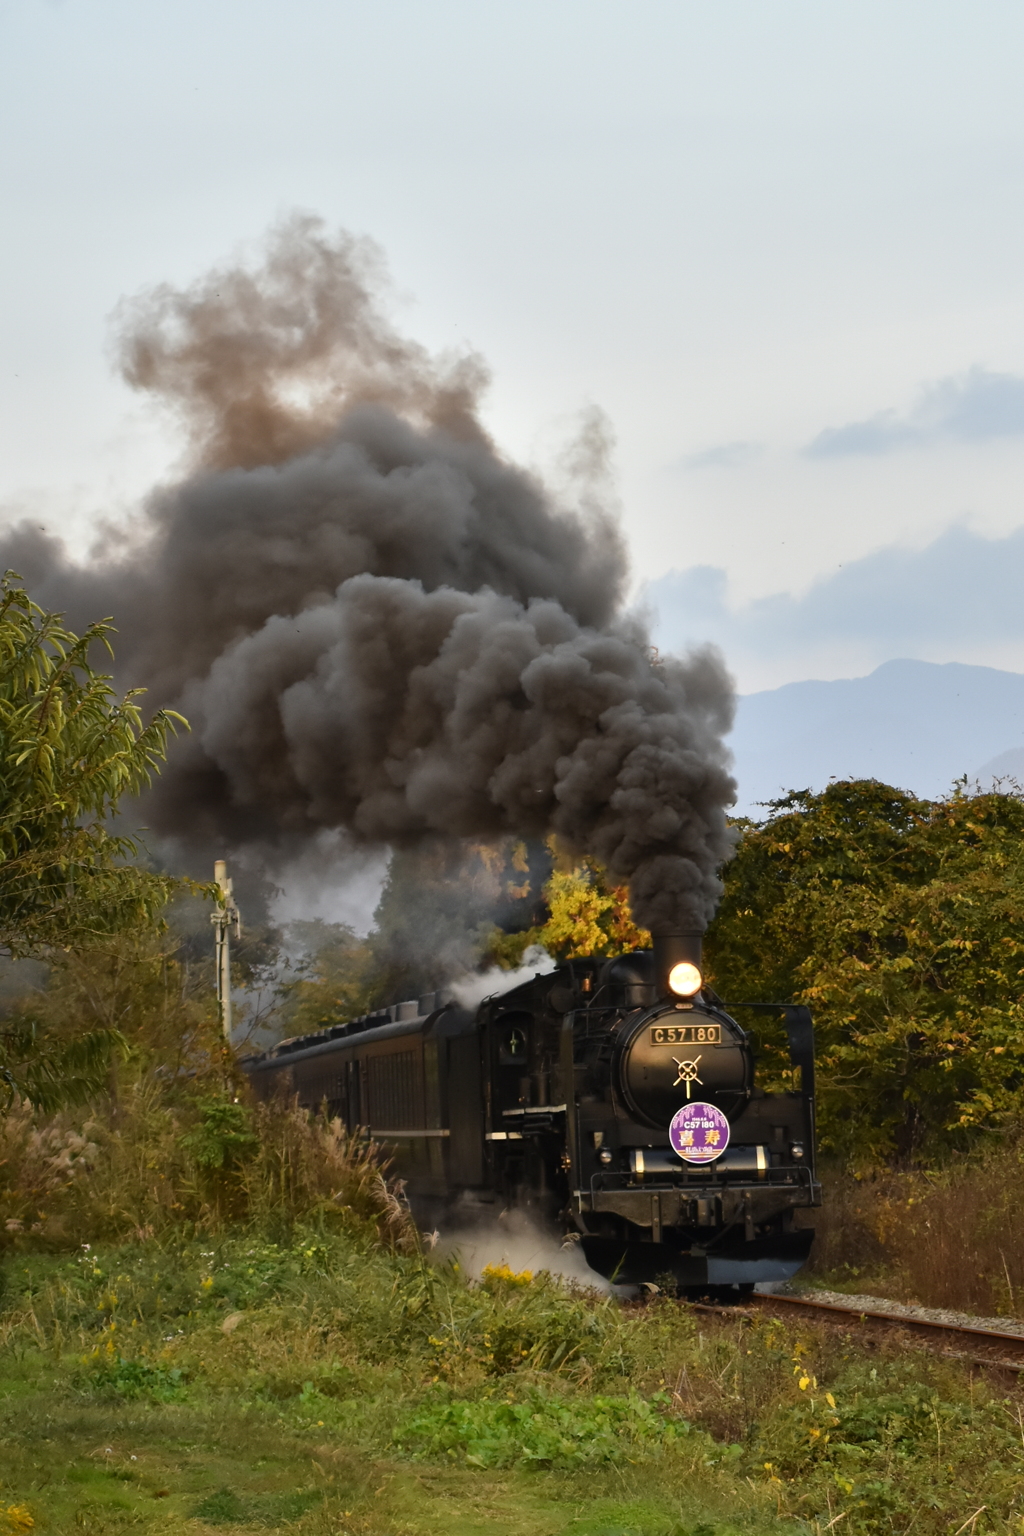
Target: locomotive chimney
<point x="672" y="949"/>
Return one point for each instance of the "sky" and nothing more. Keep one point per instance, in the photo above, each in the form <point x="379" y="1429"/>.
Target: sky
<point x="780" y="246"/>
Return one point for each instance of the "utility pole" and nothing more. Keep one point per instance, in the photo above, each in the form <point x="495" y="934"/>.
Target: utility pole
<point x="224" y="919"/>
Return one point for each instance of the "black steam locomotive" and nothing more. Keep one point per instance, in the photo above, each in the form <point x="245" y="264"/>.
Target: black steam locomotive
<point x="612" y="1099"/>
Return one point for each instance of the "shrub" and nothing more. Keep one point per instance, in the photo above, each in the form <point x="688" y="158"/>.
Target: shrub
<point x="945" y="1237"/>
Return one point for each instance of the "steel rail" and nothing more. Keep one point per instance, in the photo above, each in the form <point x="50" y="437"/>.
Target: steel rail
<point x="932" y="1327"/>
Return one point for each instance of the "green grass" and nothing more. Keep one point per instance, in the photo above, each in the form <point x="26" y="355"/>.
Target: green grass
<point x="318" y="1386"/>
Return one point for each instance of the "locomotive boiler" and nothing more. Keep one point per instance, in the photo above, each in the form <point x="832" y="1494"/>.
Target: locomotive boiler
<point x="614" y="1100"/>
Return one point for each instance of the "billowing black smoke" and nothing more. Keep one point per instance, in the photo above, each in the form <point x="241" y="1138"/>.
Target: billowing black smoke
<point x="371" y="619"/>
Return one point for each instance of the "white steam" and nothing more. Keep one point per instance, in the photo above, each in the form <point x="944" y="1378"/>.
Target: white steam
<point x="515" y="1240"/>
<point x="472" y="990"/>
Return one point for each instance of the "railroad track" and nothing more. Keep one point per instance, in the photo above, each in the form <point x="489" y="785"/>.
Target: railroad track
<point x="957" y="1341"/>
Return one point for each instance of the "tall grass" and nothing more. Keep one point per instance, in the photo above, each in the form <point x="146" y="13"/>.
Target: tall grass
<point x="947" y="1237"/>
<point x="151" y="1166"/>
<point x="173" y="1146"/>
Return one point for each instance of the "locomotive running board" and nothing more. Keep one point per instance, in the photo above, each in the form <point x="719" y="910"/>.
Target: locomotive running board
<point x="398" y="1135"/>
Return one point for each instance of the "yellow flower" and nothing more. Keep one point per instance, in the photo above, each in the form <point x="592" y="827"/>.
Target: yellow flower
<point x="16" y="1517"/>
<point x="502" y="1273"/>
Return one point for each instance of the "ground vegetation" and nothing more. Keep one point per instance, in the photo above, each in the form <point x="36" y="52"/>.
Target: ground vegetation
<point x="322" y="1381"/>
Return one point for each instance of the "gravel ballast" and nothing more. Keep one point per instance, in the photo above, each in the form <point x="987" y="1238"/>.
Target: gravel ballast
<point x="857" y="1304"/>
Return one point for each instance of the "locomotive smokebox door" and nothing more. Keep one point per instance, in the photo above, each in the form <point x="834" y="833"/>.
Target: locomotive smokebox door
<point x="677" y="1058"/>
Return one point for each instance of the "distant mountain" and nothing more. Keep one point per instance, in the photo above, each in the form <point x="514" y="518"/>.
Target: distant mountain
<point x="915" y="724"/>
<point x="1008" y="765"/>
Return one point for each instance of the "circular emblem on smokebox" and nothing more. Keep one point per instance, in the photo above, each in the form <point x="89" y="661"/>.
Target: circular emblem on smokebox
<point x="699" y="1133"/>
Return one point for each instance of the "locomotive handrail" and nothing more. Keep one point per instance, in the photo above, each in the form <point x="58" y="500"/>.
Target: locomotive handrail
<point x="537" y="1109"/>
<point x="800" y="1038"/>
<point x="799" y="1033"/>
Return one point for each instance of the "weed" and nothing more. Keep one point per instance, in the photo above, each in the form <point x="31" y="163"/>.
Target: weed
<point x="149" y="1166"/>
<point x="112" y="1375"/>
<point x="539" y="1430"/>
<point x="16" y="1517"/>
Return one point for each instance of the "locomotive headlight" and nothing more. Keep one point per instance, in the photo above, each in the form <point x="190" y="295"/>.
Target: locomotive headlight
<point x="684" y="979"/>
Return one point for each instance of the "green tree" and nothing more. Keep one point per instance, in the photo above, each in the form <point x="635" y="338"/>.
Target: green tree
<point x="901" y="922"/>
<point x="127" y="997"/>
<point x="52" y="1072"/>
<point x="332" y="980"/>
<point x="69" y="749"/>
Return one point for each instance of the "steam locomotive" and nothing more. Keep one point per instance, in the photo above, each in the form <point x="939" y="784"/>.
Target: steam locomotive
<point x="612" y="1099"/>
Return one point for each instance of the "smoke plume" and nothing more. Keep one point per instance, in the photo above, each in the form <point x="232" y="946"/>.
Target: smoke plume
<point x="371" y="618"/>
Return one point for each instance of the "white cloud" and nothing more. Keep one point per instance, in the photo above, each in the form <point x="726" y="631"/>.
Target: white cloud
<point x="971" y="407"/>
<point x="960" y="598"/>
